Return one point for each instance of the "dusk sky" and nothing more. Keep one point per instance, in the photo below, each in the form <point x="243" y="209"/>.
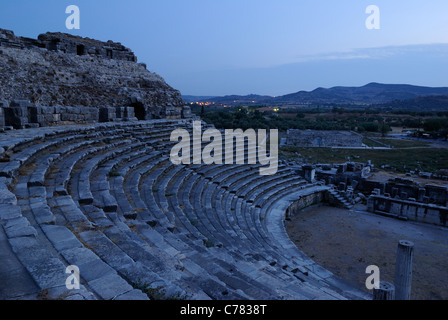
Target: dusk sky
<point x="211" y="47"/>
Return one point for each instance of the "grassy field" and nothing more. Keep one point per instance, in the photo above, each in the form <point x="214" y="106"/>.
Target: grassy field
<point x="401" y="143"/>
<point x="396" y="143"/>
<point x="403" y="159"/>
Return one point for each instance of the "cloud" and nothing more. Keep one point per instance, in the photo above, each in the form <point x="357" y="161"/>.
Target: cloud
<point x="378" y="52"/>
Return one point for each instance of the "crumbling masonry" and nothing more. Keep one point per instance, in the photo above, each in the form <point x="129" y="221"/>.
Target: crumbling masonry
<point x="61" y="79"/>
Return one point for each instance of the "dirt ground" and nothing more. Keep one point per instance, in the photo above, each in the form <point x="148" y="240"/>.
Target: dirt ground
<point x="347" y="241"/>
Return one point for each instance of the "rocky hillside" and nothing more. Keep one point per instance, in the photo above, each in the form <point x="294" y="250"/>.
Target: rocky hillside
<point x="63" y="70"/>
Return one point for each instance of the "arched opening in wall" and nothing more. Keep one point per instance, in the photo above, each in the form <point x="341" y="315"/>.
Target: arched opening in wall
<point x="80" y="50"/>
<point x="139" y="110"/>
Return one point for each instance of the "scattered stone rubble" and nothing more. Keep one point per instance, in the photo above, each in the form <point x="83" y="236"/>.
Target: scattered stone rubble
<point x="400" y="198"/>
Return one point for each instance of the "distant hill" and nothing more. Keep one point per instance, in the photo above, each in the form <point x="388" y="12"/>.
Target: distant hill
<point x="372" y="93"/>
<point x="429" y="103"/>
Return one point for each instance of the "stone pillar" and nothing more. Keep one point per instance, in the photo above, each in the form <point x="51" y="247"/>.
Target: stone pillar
<point x="386" y="291"/>
<point x="421" y="194"/>
<point x="371" y="203"/>
<point x="309" y="173"/>
<point x="403" y="270"/>
<point x="394" y="192"/>
<point x="129" y="114"/>
<point x="119" y="113"/>
<point x="107" y="114"/>
<point x="186" y="112"/>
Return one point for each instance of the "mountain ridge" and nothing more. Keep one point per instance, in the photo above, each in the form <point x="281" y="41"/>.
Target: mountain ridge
<point x="371" y="93"/>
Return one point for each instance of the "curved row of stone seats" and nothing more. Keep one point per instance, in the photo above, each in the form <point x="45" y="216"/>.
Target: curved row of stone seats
<point x="299" y="262"/>
<point x="171" y="227"/>
<point x="300" y="183"/>
<point x="45" y="233"/>
<point x="35" y="140"/>
<point x="136" y="183"/>
<point x="197" y="259"/>
<point x="121" y="226"/>
<point x="46" y="252"/>
<point x="209" y="205"/>
<point x="162" y="205"/>
<point x="222" y="261"/>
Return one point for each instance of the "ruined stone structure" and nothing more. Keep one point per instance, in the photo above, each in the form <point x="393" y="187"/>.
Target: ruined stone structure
<point x="79" y="187"/>
<point x="400" y="198"/>
<point x="322" y="138"/>
<point x="83" y="75"/>
<point x="407" y="208"/>
<point x="105" y="197"/>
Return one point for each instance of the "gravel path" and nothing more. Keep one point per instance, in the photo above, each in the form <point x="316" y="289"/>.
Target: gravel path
<point x="346" y="242"/>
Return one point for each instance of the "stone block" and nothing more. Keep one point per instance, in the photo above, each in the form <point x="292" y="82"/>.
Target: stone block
<point x="130" y="113"/>
<point x="9" y="211"/>
<point x="16" y="117"/>
<point x="20" y="104"/>
<point x="107" y="114"/>
<point x="421" y="194"/>
<point x="2" y="116"/>
<point x="120" y="112"/>
<point x="61" y="237"/>
<point x="134" y="295"/>
<point x="110" y="286"/>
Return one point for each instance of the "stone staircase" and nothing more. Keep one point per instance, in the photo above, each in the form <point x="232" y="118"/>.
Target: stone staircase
<point x="338" y="200"/>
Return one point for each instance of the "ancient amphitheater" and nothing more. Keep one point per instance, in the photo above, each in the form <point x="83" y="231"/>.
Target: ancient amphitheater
<point x="106" y="198"/>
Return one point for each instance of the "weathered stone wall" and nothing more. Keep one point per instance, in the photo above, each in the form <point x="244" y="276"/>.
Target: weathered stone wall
<point x="22" y="114"/>
<point x="408" y="209"/>
<point x="321" y="138"/>
<point x="63" y="70"/>
<point x="84" y="46"/>
<point x="304" y="202"/>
